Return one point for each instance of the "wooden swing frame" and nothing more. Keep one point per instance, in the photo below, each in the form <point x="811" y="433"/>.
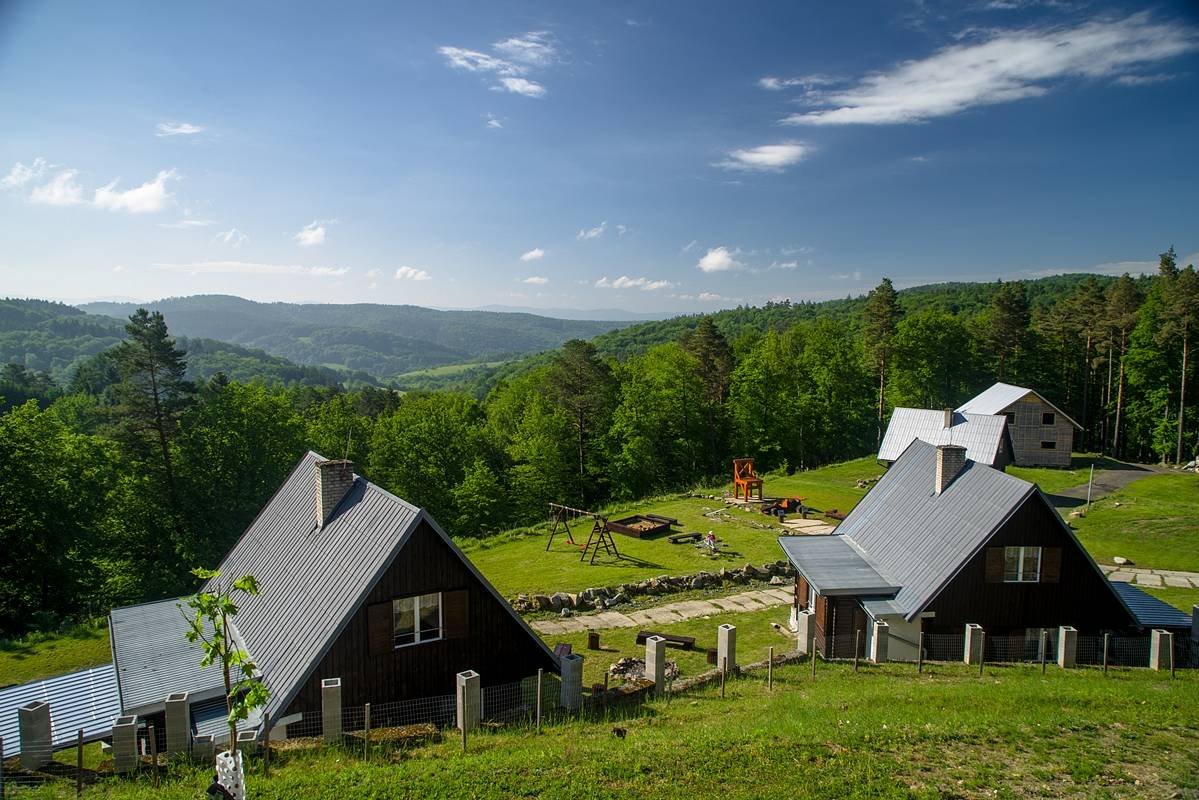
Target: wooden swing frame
<point x="600" y="535"/>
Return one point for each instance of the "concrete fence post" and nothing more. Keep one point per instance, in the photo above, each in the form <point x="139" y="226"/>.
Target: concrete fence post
<point x="204" y="749"/>
<point x="1067" y="646"/>
<point x="973" y="650"/>
<point x="655" y="662"/>
<point x="33" y="721"/>
<point x="803" y="628"/>
<point x="726" y="646"/>
<point x="571" y="696"/>
<point x="879" y="642"/>
<point x="1161" y="646"/>
<point x="331" y="709"/>
<point x="125" y="757"/>
<point x="469" y="700"/>
<point x="179" y="724"/>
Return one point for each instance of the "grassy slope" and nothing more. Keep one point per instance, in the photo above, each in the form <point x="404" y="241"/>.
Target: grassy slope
<point x="45" y="655"/>
<point x="1156" y="523"/>
<point x="1052" y="480"/>
<point x="881" y="733"/>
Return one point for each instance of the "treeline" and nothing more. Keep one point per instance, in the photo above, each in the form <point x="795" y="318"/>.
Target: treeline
<point x="113" y="490"/>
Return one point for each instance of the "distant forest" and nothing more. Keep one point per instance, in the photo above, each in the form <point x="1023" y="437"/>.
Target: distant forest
<point x="123" y="473"/>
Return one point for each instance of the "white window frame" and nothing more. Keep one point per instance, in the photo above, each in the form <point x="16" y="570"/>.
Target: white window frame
<point x="416" y="638"/>
<point x="1021" y="577"/>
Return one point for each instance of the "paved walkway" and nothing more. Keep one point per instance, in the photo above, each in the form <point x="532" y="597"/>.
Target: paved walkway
<point x="1110" y="479"/>
<point x="1152" y="577"/>
<point x="665" y="614"/>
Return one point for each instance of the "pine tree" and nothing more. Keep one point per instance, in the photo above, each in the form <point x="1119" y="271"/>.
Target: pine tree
<point x="1008" y="326"/>
<point x="714" y="367"/>
<point x="882" y="321"/>
<point x="1123" y="301"/>
<point x="1181" y="320"/>
<point x="582" y="384"/>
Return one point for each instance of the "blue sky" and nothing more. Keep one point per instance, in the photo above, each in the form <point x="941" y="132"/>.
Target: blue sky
<point x="650" y="157"/>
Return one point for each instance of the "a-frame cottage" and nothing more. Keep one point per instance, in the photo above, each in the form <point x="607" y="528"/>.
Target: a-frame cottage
<point x="942" y="541"/>
<point x="355" y="584"/>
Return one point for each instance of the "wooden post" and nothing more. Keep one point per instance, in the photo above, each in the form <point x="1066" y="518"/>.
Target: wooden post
<point x="366" y="732"/>
<point x="79" y="763"/>
<point x="539" y="699"/>
<point x="1044" y="647"/>
<point x="154" y="752"/>
<point x="770" y="670"/>
<point x="266" y="745"/>
<point x="920" y="653"/>
<point x="982" y="651"/>
<point x="1107" y="637"/>
<point x="857" y="643"/>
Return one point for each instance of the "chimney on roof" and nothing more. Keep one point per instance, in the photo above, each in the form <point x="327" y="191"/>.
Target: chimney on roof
<point x="950" y="460"/>
<point x="948" y="418"/>
<point x="333" y="479"/>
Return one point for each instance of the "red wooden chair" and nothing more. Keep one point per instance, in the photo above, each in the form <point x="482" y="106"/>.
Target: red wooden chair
<point x="745" y="480"/>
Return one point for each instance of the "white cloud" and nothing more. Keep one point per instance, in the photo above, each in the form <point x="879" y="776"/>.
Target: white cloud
<point x="625" y="282"/>
<point x="151" y="196"/>
<point x="767" y="157"/>
<point x="21" y="174"/>
<point x="719" y="259"/>
<point x="232" y="237"/>
<point x="493" y="121"/>
<point x="1144" y="80"/>
<point x="535" y="48"/>
<point x="536" y="254"/>
<point x="808" y="83"/>
<point x="374" y="273"/>
<point x="252" y="268"/>
<point x="62" y="190"/>
<point x="536" y="280"/>
<point x="691" y="245"/>
<point x="1009" y="65"/>
<point x="474" y="61"/>
<point x="621" y="230"/>
<point x="412" y="274"/>
<point x="313" y="233"/>
<point x="188" y="222"/>
<point x="844" y="276"/>
<point x="521" y="86"/>
<point x="592" y="233"/>
<point x="784" y="265"/>
<point x="177" y="129"/>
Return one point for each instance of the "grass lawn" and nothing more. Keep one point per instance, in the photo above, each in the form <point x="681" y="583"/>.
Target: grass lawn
<point x="1054" y="479"/>
<point x="516" y="562"/>
<point x="46" y="655"/>
<point x="1156" y="523"/>
<point x="884" y="732"/>
<point x="1184" y="599"/>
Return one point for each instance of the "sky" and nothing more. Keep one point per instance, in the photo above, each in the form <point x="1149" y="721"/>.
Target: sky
<point x="651" y="157"/>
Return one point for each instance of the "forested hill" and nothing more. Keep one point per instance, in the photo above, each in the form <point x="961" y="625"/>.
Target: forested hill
<point x="53" y="340"/>
<point x="383" y="340"/>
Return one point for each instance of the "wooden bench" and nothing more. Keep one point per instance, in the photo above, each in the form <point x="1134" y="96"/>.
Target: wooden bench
<point x="684" y="538"/>
<point x="681" y="642"/>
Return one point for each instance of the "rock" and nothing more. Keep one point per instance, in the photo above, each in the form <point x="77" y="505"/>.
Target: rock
<point x="697" y="582"/>
<point x="544" y="603"/>
<point x="1122" y="561"/>
<point x="560" y="600"/>
<point x="1077" y="514"/>
<point x="583" y="604"/>
<point x="616" y="600"/>
<point x="777" y="581"/>
<point x="642" y="588"/>
<point x="566" y="612"/>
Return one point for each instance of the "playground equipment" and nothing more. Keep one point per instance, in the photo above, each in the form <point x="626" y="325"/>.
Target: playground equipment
<point x="600" y="536"/>
<point x="745" y="480"/>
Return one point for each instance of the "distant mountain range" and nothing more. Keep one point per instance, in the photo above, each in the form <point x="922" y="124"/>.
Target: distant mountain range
<point x="595" y="314"/>
<point x="382" y="340"/>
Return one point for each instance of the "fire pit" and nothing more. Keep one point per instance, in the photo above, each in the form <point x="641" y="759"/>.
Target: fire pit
<point x="631" y="669"/>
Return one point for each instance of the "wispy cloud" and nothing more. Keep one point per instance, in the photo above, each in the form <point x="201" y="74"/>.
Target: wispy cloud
<point x="592" y="233"/>
<point x="521" y="86"/>
<point x="1005" y="66"/>
<point x="177" y="129"/>
<point x="232" y="237"/>
<point x="511" y="60"/>
<point x="493" y="121"/>
<point x="412" y="274"/>
<point x="625" y="282"/>
<point x="188" y="222"/>
<point x="856" y="275"/>
<point x="706" y="297"/>
<point x="151" y="196"/>
<point x="535" y="48"/>
<point x="719" y="259"/>
<point x="313" y="233"/>
<point x="691" y="245"/>
<point x="806" y="82"/>
<point x="1145" y="80"/>
<point x="20" y="174"/>
<point x="62" y="190"/>
<point x="253" y="268"/>
<point x="536" y="280"/>
<point x="766" y="158"/>
<point x="536" y="254"/>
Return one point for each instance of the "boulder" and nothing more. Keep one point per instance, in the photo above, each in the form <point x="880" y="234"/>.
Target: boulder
<point x="566" y="612"/>
<point x="777" y="581"/>
<point x="544" y="603"/>
<point x="561" y="600"/>
<point x="617" y="599"/>
<point x="1122" y="561"/>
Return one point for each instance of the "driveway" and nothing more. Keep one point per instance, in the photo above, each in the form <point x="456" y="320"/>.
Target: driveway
<point x="1111" y="479"/>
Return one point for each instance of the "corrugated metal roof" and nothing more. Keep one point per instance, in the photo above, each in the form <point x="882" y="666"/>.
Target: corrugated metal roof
<point x="211" y="717"/>
<point x="834" y="566"/>
<point x="85" y="699"/>
<point x="153" y="657"/>
<point x="980" y="434"/>
<point x="1149" y="611"/>
<point x="919" y="538"/>
<point x="1002" y="395"/>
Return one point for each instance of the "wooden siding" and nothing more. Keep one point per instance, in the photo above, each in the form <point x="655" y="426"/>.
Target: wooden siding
<point x="1079" y="597"/>
<point x="494" y="645"/>
<point x="1027" y="433"/>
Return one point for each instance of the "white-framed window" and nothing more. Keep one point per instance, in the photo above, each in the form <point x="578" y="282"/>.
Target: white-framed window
<point x="416" y="619"/>
<point x="1021" y="564"/>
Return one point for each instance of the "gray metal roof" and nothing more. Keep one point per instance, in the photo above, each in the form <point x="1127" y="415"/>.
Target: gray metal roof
<point x="1002" y="395"/>
<point x="918" y="538"/>
<point x="85" y="699"/>
<point x="153" y="657"/>
<point x="980" y="434"/>
<point x="834" y="566"/>
<point x="1149" y="611"/>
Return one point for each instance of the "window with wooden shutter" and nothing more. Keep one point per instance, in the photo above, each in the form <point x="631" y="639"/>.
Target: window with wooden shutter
<point x="994" y="572"/>
<point x="456" y="613"/>
<point x="1051" y="564"/>
<point x="379" y="628"/>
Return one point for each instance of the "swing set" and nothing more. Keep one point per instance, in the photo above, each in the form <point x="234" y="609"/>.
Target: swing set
<point x="600" y="536"/>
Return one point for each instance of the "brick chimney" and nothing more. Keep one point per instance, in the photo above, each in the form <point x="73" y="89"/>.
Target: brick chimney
<point x="948" y="418"/>
<point x="951" y="458"/>
<point x="333" y="479"/>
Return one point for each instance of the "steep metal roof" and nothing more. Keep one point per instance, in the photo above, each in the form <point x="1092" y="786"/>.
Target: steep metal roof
<point x="980" y="434"/>
<point x="153" y="657"/>
<point x="834" y="566"/>
<point x="918" y="538"/>
<point x="1149" y="611"/>
<point x="86" y="700"/>
<point x="1002" y="395"/>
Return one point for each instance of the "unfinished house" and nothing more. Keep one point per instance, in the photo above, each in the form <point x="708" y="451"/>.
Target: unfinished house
<point x="1040" y="434"/>
<point x="984" y="436"/>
